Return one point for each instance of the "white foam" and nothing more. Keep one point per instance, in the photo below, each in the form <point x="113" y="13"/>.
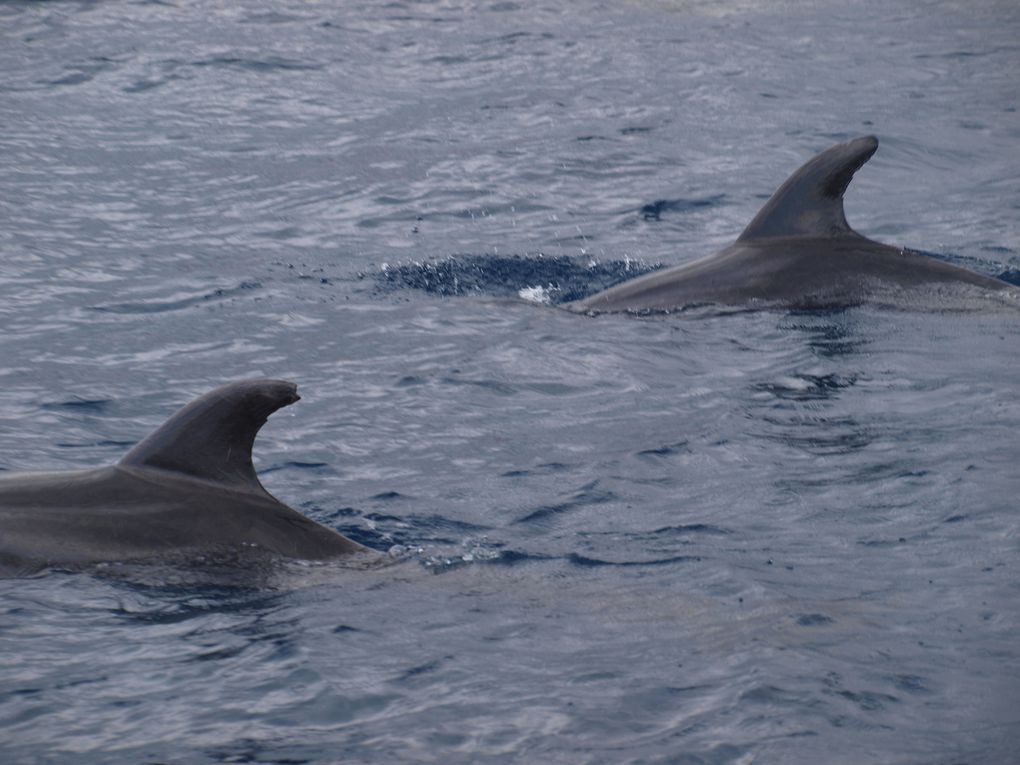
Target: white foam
<point x="537" y="294"/>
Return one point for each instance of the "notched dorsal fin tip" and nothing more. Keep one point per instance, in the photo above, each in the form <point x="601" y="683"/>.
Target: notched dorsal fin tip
<point x="212" y="437"/>
<point x="810" y="202"/>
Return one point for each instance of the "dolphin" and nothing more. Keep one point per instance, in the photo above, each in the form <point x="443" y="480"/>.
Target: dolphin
<point x="798" y="252"/>
<point x="187" y="491"/>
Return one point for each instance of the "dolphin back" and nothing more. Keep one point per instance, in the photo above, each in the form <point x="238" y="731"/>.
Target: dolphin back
<point x="810" y="202"/>
<point x="212" y="437"/>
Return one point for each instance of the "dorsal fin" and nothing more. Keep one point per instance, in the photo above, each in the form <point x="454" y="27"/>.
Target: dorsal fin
<point x="212" y="437"/>
<point x="810" y="202"/>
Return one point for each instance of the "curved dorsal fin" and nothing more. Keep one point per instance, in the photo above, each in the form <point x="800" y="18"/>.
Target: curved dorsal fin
<point x="810" y="202"/>
<point x="212" y="437"/>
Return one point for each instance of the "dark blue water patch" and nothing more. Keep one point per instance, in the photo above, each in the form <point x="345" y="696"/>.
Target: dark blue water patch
<point x="141" y="86"/>
<point x="373" y="539"/>
<point x="517" y="558"/>
<point x="385" y="531"/>
<point x="911" y="684"/>
<point x="653" y="210"/>
<point x="294" y="464"/>
<point x="421" y="669"/>
<point x="587" y="562"/>
<point x="221" y="652"/>
<point x="1011" y="276"/>
<point x="692" y="528"/>
<point x="503" y="388"/>
<point x="409" y="381"/>
<point x="162" y="306"/>
<point x="260" y="65"/>
<point x="589" y="494"/>
<point x="667" y="450"/>
<point x="865" y="701"/>
<point x="547" y="468"/>
<point x="771" y="695"/>
<point x="882" y="543"/>
<point x="514" y="37"/>
<point x="82" y="73"/>
<point x="350" y="522"/>
<point x="382" y="518"/>
<point x="79" y="404"/>
<point x="813" y="620"/>
<point x="564" y="278"/>
<point x="340" y="512"/>
<point x="965" y="54"/>
<point x="388" y="496"/>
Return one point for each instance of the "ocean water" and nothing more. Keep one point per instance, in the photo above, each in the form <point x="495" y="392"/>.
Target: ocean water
<point x="758" y="538"/>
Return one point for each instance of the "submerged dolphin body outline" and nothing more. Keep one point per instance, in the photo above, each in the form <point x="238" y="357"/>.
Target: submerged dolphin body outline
<point x="797" y="252"/>
<point x="188" y="489"/>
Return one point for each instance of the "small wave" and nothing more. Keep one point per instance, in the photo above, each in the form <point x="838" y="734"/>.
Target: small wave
<point x="693" y="528"/>
<point x="584" y="560"/>
<point x="268" y="64"/>
<point x="78" y="74"/>
<point x="543" y="469"/>
<point x="666" y="450"/>
<point x="88" y="404"/>
<point x="177" y="303"/>
<point x="588" y="495"/>
<point x="293" y="464"/>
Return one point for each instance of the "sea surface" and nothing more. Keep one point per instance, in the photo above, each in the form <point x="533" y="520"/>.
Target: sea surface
<point x="768" y="537"/>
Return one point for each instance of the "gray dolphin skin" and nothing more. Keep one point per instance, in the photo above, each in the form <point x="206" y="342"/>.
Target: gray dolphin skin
<point x="798" y="252"/>
<point x="188" y="490"/>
